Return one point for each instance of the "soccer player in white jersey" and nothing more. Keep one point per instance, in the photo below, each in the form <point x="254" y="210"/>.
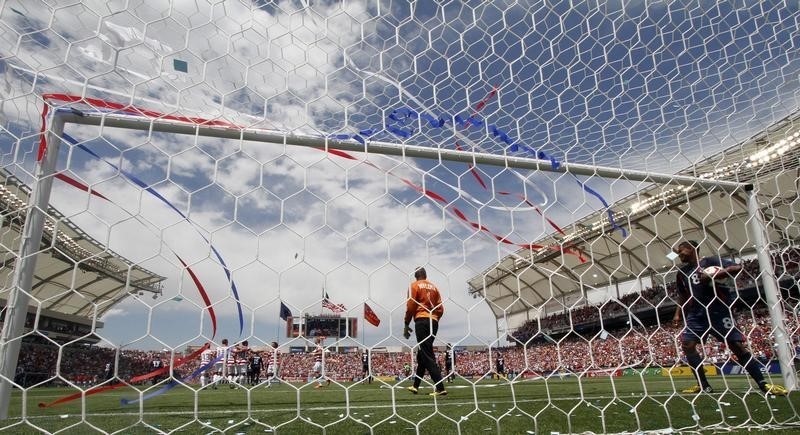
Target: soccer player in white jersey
<point x="240" y="354"/>
<point x="220" y="368"/>
<point x="319" y="365"/>
<point x="157" y="364"/>
<point x="230" y="366"/>
<point x="272" y="366"/>
<point x="205" y="358"/>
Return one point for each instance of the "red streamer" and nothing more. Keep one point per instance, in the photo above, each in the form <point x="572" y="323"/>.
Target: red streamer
<point x="42" y="136"/>
<point x="200" y="289"/>
<point x="99" y="389"/>
<point x="480" y="181"/>
<point x="94" y="102"/>
<point x="75" y="183"/>
<point x="203" y="294"/>
<point x="204" y="121"/>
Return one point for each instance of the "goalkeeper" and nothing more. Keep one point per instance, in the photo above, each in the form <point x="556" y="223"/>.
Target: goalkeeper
<point x="424" y="306"/>
<point x="706" y="305"/>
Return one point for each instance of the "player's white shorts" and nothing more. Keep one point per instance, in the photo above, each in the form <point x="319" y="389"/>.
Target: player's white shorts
<point x="271" y="370"/>
<point x="318" y="367"/>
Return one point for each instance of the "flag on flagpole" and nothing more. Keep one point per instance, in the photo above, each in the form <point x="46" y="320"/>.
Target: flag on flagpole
<point x="370" y="316"/>
<point x="336" y="308"/>
<point x="285" y="312"/>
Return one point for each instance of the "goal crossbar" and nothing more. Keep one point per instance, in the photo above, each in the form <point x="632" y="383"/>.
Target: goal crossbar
<point x="387" y="148"/>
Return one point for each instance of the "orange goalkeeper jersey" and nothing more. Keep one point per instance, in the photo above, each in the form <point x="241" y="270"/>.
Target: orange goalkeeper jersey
<point x="424" y="301"/>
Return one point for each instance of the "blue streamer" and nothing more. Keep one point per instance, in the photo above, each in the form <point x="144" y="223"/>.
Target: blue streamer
<point x="608" y="208"/>
<point x="172" y="384"/>
<point x="153" y="192"/>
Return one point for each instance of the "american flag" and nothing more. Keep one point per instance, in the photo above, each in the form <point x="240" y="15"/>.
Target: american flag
<point x="336" y="308"/>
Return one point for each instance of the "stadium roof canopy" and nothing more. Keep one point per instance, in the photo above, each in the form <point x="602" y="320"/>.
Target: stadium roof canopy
<point x="75" y="274"/>
<point x="657" y="218"/>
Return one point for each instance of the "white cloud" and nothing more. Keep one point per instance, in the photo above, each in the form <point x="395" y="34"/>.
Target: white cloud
<point x="114" y="312"/>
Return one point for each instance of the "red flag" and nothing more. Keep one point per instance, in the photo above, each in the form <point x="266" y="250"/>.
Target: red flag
<point x="370" y="316"/>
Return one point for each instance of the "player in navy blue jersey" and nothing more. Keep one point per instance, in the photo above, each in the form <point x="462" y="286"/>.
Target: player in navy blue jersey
<point x="449" y="363"/>
<point x="254" y="366"/>
<point x="365" y="374"/>
<point x="705" y="301"/>
<point x="500" y="367"/>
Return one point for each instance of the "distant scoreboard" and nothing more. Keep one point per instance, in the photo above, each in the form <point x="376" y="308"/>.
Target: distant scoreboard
<point x="322" y="326"/>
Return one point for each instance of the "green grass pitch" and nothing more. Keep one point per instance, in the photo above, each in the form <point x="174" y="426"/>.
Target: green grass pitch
<point x="599" y="405"/>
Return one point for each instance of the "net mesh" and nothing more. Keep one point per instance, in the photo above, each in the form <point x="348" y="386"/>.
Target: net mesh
<point x="179" y="211"/>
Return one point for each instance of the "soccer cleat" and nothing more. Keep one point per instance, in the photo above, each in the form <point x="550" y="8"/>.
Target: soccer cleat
<point x="438" y="393"/>
<point x="413" y="390"/>
<point x="775" y="389"/>
<point x="696" y="389"/>
<point x="318" y="386"/>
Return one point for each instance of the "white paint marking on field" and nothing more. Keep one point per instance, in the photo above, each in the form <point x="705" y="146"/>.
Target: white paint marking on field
<point x="421" y="404"/>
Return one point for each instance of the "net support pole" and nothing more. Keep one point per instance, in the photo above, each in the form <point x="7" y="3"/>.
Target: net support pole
<point x="783" y="344"/>
<point x="19" y="298"/>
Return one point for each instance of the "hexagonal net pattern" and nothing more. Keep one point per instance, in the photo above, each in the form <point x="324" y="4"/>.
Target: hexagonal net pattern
<point x="215" y="215"/>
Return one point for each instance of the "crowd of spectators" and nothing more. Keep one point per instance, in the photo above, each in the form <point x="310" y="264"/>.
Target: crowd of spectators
<point x="642" y="346"/>
<point x="537" y="351"/>
<point x="79" y="364"/>
<point x="787" y="265"/>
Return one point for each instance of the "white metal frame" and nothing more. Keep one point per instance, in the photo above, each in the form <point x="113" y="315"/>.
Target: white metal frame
<point x="17" y="308"/>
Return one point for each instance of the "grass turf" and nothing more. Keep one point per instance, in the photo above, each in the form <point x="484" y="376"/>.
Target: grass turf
<point x="600" y="405"/>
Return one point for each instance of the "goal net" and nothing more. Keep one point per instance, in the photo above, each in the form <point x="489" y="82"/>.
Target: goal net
<point x="212" y="214"/>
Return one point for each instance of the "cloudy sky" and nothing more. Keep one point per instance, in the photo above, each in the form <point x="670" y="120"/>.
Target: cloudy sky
<point x="650" y="87"/>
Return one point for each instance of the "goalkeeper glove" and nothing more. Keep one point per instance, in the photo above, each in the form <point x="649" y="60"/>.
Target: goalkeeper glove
<point x="407" y="332"/>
